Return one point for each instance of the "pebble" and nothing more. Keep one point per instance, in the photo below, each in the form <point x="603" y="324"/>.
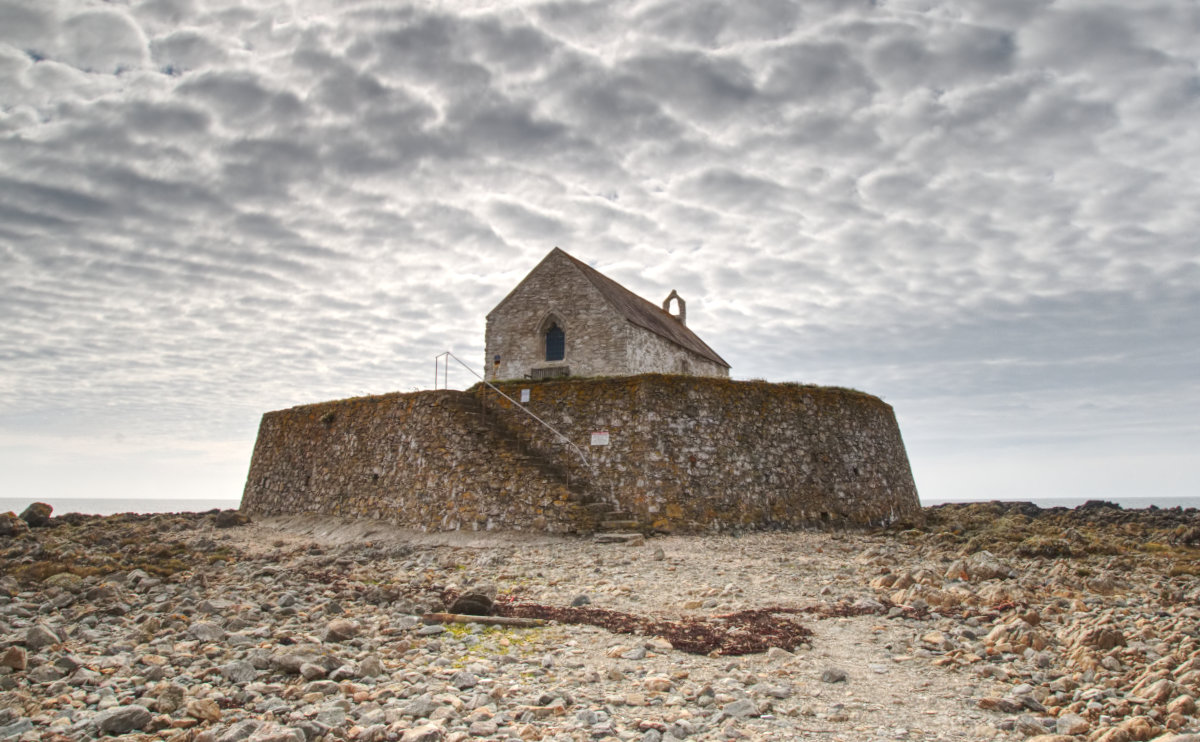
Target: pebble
<point x="834" y="675"/>
<point x="740" y="709"/>
<point x="775" y="654"/>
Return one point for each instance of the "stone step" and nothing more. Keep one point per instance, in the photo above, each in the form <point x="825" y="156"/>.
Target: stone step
<point x="618" y="525"/>
<point x="486" y="422"/>
<point x="632" y="539"/>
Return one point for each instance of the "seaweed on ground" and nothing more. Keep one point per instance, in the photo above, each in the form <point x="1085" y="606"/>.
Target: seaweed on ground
<point x="743" y="632"/>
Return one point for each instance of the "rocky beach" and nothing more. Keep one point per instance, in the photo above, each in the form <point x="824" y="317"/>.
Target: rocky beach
<point x="996" y="621"/>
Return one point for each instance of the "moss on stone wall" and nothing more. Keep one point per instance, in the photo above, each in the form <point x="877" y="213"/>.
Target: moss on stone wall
<point x="687" y="453"/>
<point x="684" y="454"/>
<point x="419" y="460"/>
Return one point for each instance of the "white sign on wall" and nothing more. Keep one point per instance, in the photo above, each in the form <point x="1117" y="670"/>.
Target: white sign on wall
<point x="524" y="396"/>
<point x="600" y="438"/>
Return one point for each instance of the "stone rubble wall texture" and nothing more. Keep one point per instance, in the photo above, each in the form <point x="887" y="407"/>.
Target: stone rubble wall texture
<point x="685" y="454"/>
<point x="599" y="341"/>
<point x="691" y="454"/>
<point x="419" y="460"/>
<point x="654" y="354"/>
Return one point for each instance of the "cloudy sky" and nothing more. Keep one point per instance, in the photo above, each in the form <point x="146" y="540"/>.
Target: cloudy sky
<point x="984" y="212"/>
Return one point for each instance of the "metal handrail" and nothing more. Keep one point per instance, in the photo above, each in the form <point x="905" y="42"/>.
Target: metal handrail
<point x="577" y="449"/>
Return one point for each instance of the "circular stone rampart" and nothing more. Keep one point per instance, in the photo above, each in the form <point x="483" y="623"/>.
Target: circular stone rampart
<point x="672" y="453"/>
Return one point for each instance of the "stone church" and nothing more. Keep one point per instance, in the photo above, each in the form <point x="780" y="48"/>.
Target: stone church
<point x="568" y="319"/>
<point x="672" y="444"/>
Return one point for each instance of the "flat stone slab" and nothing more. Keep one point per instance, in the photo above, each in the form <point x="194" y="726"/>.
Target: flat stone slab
<point x="632" y="539"/>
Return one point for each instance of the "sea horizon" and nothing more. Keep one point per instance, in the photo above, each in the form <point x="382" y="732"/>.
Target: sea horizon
<point x="112" y="506"/>
<point x="1126" y="503"/>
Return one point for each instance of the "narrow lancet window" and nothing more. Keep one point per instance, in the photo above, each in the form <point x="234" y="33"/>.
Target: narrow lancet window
<point x="556" y="343"/>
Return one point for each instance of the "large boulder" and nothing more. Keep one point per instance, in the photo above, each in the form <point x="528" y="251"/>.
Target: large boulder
<point x="472" y="604"/>
<point x="122" y="719"/>
<point x="41" y="635"/>
<point x="206" y="631"/>
<point x="230" y="519"/>
<point x="983" y="565"/>
<point x="341" y="629"/>
<point x="14" y="658"/>
<point x="37" y="515"/>
<point x="11" y="525"/>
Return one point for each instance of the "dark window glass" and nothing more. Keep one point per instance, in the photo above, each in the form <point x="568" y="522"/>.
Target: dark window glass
<point x="556" y="342"/>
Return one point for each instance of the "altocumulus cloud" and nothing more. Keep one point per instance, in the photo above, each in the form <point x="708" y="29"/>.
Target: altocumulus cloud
<point x="983" y="212"/>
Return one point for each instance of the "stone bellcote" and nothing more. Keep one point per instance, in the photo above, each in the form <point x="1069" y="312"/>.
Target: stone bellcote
<point x="681" y="315"/>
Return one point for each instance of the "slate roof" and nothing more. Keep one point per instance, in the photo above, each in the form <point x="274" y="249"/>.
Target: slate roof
<point x="642" y="313"/>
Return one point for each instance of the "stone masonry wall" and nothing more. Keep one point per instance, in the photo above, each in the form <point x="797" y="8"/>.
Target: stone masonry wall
<point x="420" y="460"/>
<point x="689" y="453"/>
<point x="653" y="354"/>
<point x="684" y="454"/>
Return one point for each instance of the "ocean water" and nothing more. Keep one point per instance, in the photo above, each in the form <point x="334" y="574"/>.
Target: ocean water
<point x="109" y="506"/>
<point x="1128" y="503"/>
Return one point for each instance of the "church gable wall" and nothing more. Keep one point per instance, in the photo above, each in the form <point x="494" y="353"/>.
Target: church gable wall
<point x="595" y="336"/>
<point x="598" y="340"/>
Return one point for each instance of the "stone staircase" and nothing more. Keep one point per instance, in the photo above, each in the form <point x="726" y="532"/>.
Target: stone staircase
<point x="589" y="509"/>
<point x="615" y="527"/>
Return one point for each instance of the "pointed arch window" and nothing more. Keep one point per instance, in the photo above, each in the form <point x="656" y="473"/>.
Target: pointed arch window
<point x="556" y="343"/>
